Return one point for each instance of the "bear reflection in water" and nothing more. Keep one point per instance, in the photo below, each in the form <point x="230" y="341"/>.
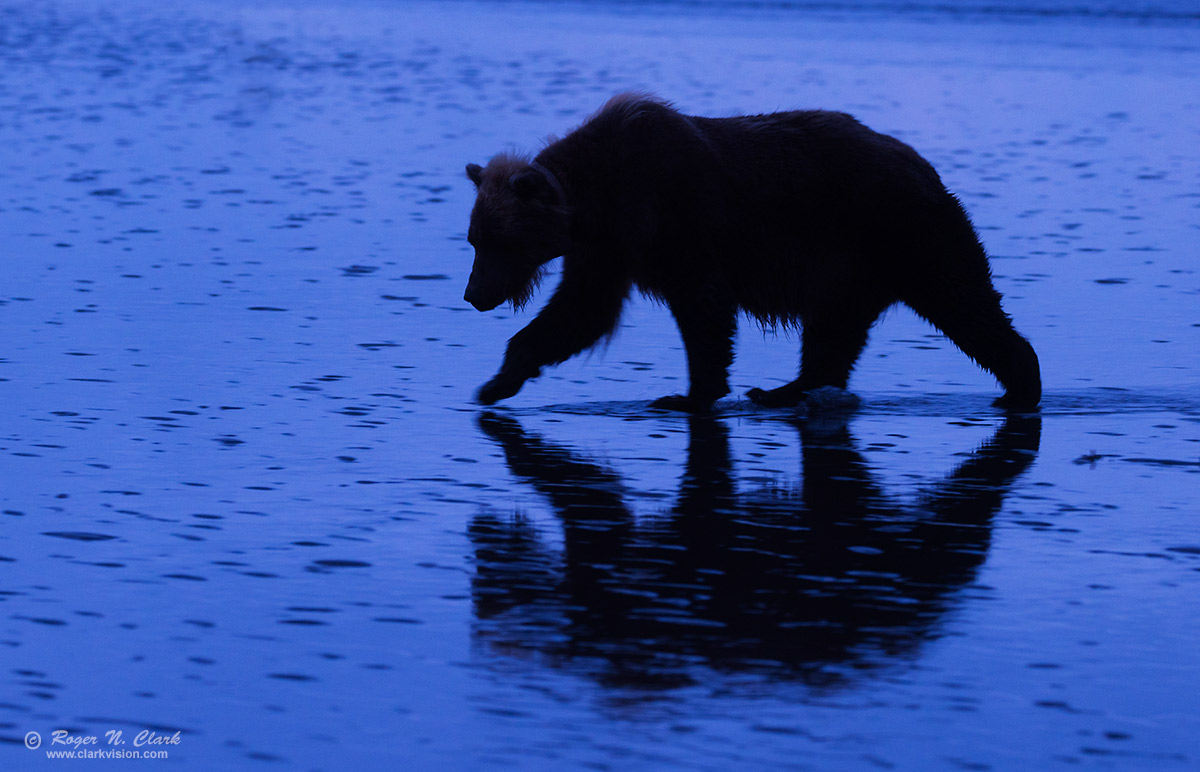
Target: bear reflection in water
<point x="818" y="582"/>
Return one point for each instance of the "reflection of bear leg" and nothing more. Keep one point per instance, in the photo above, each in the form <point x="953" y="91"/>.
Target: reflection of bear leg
<point x="708" y="340"/>
<point x="971" y="317"/>
<point x="830" y="347"/>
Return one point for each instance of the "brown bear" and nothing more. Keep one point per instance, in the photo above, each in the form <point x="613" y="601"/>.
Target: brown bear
<point x="804" y="218"/>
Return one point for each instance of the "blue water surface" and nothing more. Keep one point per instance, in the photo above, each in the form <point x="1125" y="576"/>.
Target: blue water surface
<point x="249" y="509"/>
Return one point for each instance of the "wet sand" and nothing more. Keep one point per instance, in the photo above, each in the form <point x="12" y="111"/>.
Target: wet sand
<point x="246" y="496"/>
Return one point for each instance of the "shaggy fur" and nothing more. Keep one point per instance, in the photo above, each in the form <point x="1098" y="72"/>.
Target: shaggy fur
<point x="806" y="218"/>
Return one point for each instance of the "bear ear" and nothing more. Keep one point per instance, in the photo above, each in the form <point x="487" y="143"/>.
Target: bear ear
<point x="528" y="184"/>
<point x="475" y="173"/>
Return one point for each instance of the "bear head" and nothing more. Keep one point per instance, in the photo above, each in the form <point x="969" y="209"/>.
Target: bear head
<point x="519" y="223"/>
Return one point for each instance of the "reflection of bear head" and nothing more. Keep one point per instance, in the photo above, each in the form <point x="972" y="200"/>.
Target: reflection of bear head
<point x="519" y="223"/>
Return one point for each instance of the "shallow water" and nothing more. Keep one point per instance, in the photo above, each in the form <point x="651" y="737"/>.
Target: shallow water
<point x="246" y="496"/>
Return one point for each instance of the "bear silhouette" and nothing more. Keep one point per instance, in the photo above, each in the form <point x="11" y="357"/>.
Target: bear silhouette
<point x="805" y="218"/>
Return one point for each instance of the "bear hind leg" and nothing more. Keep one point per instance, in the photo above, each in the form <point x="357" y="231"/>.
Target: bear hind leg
<point x="976" y="323"/>
<point x="829" y="350"/>
<point x="707" y="332"/>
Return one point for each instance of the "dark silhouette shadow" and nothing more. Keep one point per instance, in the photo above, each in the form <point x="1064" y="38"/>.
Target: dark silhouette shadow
<point x="819" y="582"/>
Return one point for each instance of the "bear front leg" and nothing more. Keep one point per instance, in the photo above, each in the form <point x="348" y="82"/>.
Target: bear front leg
<point x="521" y="363"/>
<point x="707" y="332"/>
<point x="583" y="309"/>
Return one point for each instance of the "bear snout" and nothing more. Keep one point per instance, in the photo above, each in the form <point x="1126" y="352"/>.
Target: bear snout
<point x="477" y="298"/>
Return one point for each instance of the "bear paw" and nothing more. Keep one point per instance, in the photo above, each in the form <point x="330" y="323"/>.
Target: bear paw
<point x="1016" y="403"/>
<point x="681" y="403"/>
<point x="498" y="388"/>
<point x="784" y="396"/>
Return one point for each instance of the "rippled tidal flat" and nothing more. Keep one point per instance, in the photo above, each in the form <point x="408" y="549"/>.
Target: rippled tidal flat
<point x="246" y="501"/>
